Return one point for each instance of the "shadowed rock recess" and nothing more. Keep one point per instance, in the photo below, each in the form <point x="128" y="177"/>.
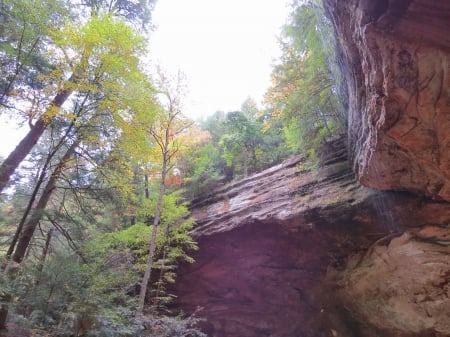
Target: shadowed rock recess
<point x="291" y="253"/>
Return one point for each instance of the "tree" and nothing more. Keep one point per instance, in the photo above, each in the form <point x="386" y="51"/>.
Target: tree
<point x="42" y="175"/>
<point x="166" y="128"/>
<point x="26" y="29"/>
<point x="274" y="148"/>
<point x="137" y="12"/>
<point x="203" y="167"/>
<point x="304" y="89"/>
<point x="236" y="144"/>
<point x="30" y="226"/>
<point x="89" y="122"/>
<point x="95" y="57"/>
<point x="240" y="142"/>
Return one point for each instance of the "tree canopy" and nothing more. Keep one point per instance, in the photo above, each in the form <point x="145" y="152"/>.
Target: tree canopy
<point x="304" y="93"/>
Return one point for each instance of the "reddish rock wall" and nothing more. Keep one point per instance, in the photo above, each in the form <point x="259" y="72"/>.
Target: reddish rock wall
<point x="398" y="68"/>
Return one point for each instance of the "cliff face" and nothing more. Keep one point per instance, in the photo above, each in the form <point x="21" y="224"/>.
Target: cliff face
<point x="291" y="253"/>
<point x="397" y="56"/>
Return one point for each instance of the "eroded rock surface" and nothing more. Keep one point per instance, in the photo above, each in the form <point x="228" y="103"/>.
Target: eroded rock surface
<point x="403" y="285"/>
<point x="281" y="194"/>
<point x="290" y="253"/>
<point x="398" y="70"/>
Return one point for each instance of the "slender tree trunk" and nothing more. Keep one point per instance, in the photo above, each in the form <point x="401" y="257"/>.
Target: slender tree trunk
<point x="47" y="303"/>
<point x="26" y="144"/>
<point x="5" y="298"/>
<point x="45" y="250"/>
<point x="152" y="248"/>
<point x="159" y="204"/>
<point x="30" y="226"/>
<point x="163" y="141"/>
<point x="147" y="190"/>
<point x="161" y="272"/>
<point x="325" y="122"/>
<point x="26" y="213"/>
<point x="148" y="220"/>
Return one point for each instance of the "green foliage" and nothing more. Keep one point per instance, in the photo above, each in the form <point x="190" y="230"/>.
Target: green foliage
<point x="85" y="284"/>
<point x="102" y="54"/>
<point x="240" y="141"/>
<point x="138" y="11"/>
<point x="304" y="92"/>
<point x="25" y="28"/>
<point x="173" y="326"/>
<point x="45" y="290"/>
<point x="203" y="166"/>
<point x="67" y="298"/>
<point x="275" y="148"/>
<point x="130" y="246"/>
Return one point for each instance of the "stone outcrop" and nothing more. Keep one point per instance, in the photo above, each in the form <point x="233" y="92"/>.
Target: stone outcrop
<point x="291" y="253"/>
<point x="397" y="55"/>
<point x="280" y="194"/>
<point x="288" y="252"/>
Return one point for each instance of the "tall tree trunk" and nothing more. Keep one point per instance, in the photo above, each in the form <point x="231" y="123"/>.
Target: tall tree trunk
<point x="152" y="249"/>
<point x="26" y="144"/>
<point x="4" y="299"/>
<point x="26" y="212"/>
<point x="30" y="226"/>
<point x="148" y="220"/>
<point x="39" y="182"/>
<point x="159" y="204"/>
<point x="163" y="141"/>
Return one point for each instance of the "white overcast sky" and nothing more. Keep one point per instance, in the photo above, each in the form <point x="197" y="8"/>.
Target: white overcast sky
<point x="225" y="48"/>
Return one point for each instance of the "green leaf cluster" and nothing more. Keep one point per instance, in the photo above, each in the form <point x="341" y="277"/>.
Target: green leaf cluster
<point x="304" y="92"/>
<point x="240" y="143"/>
<point x="130" y="247"/>
<point x="26" y="28"/>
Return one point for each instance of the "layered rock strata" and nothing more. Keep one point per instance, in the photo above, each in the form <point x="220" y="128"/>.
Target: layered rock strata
<point x="397" y="64"/>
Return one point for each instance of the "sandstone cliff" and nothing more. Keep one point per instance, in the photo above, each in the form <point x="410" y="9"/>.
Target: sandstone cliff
<point x="397" y="64"/>
<point x="288" y="252"/>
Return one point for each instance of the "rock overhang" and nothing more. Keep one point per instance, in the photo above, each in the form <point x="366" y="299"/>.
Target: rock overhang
<point x="397" y="56"/>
